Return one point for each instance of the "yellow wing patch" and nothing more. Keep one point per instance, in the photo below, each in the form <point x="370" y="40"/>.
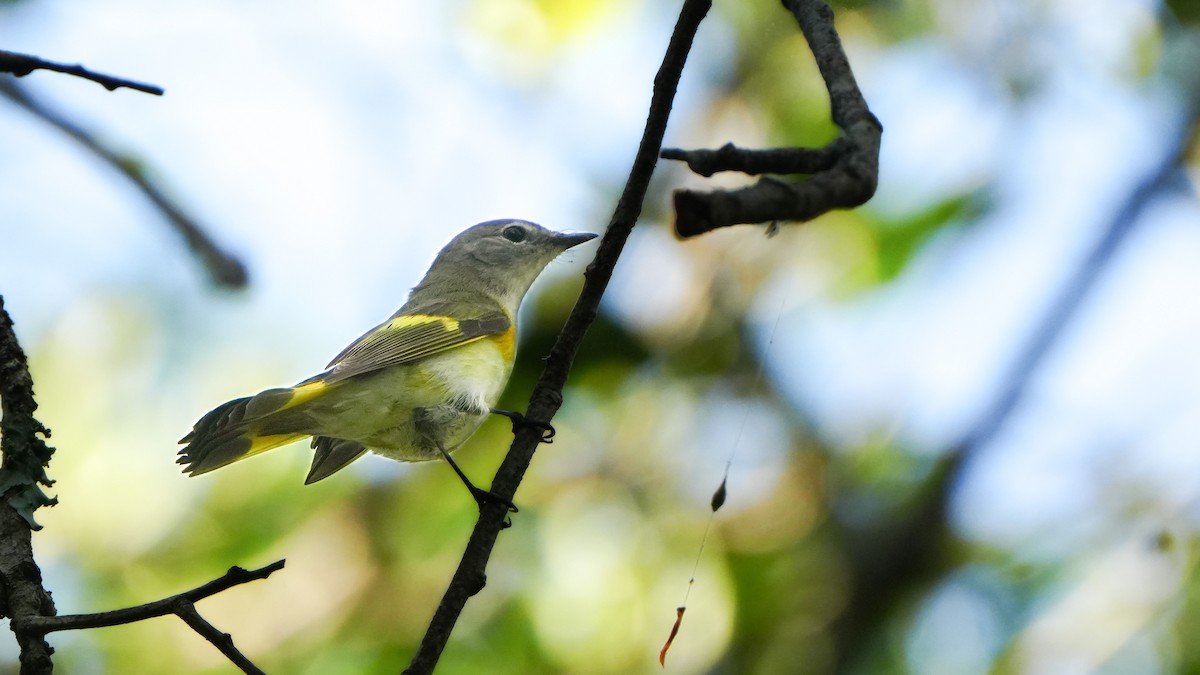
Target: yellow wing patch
<point x="412" y="337"/>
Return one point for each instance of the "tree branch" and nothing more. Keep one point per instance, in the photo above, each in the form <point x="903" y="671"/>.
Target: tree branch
<point x="222" y="641"/>
<point x="21" y="589"/>
<point x="25" y="457"/>
<point x="546" y="398"/>
<point x="846" y="170"/>
<point x="23" y="64"/>
<point x="182" y="605"/>
<point x="23" y="597"/>
<point x="224" y="268"/>
<point x="729" y="157"/>
<point x="235" y="576"/>
<point x="26" y="454"/>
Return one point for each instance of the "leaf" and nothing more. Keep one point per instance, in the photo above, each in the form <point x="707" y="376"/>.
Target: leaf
<point x="900" y="239"/>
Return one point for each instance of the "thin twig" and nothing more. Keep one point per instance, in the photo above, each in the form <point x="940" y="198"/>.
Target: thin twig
<point x="224" y="268"/>
<point x="116" y="617"/>
<point x="222" y="641"/>
<point x="182" y="605"/>
<point x="846" y="171"/>
<point x="23" y="64"/>
<point x="547" y="393"/>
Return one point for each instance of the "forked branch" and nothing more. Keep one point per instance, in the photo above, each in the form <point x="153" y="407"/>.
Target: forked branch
<point x="182" y="605"/>
<point x="23" y="597"/>
<point x="843" y="174"/>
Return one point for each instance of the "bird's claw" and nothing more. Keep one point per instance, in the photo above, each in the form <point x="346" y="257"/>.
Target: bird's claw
<point x="519" y="421"/>
<point x="482" y="497"/>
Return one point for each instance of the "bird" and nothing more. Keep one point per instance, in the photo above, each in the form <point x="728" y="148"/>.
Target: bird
<point x="415" y="387"/>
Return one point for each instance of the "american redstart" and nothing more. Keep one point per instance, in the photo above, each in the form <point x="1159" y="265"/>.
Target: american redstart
<point x="416" y="386"/>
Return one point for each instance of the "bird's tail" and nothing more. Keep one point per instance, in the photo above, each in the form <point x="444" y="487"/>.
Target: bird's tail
<point x="245" y="427"/>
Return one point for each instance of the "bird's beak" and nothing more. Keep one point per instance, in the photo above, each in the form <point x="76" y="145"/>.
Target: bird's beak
<point x="571" y="240"/>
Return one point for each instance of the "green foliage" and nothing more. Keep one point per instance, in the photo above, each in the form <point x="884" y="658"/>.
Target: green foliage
<point x="899" y="239"/>
<point x="1185" y="11"/>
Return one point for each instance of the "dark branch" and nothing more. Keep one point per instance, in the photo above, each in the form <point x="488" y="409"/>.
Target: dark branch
<point x="846" y="170"/>
<point x="22" y="592"/>
<point x="222" y="641"/>
<point x="729" y="157"/>
<point x="25" y="456"/>
<point x="224" y="268"/>
<point x="770" y="199"/>
<point x="236" y="576"/>
<point x="547" y="393"/>
<point x="23" y="598"/>
<point x="181" y="605"/>
<point x="24" y="64"/>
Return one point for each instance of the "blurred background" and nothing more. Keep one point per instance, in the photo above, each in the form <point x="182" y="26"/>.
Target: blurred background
<point x="962" y="422"/>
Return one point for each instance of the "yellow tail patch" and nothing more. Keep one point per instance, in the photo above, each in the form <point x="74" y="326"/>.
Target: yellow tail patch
<point x="303" y="393"/>
<point x="260" y="444"/>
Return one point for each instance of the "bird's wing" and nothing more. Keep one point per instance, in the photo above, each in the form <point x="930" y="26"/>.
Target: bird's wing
<point x="408" y="338"/>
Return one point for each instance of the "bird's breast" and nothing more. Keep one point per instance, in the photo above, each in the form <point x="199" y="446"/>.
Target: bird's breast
<point x="474" y="373"/>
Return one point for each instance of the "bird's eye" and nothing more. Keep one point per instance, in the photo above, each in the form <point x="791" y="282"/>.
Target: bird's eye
<point x="514" y="233"/>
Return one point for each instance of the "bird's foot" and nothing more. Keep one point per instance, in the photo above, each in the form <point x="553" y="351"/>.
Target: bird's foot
<point x="481" y="496"/>
<point x="519" y="421"/>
